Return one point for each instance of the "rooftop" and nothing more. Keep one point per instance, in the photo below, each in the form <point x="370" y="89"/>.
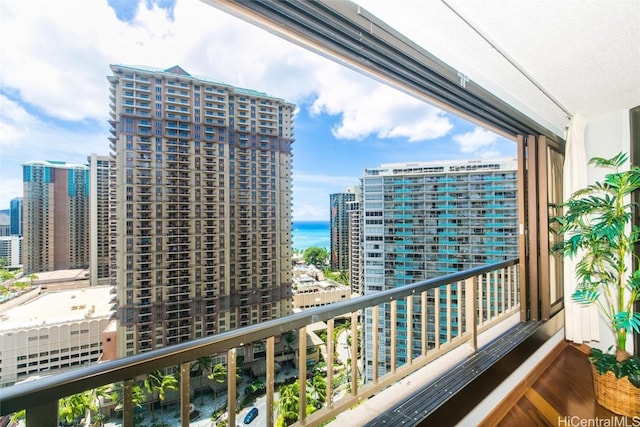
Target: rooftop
<point x="51" y="308"/>
<point x="56" y="164"/>
<point x="61" y="276"/>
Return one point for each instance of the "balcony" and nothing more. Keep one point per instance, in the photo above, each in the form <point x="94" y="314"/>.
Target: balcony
<point x="473" y="314"/>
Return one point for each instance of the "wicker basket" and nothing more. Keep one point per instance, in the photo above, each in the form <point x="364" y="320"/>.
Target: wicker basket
<point x="616" y="394"/>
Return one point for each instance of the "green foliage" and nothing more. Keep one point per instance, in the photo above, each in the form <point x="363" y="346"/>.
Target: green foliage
<point x="137" y="395"/>
<point x="288" y="406"/>
<point x="255" y="387"/>
<point x="341" y="276"/>
<point x="597" y="229"/>
<point x="218" y="373"/>
<point x="315" y="256"/>
<point x="604" y="362"/>
<point x="76" y="406"/>
<point x="6" y="275"/>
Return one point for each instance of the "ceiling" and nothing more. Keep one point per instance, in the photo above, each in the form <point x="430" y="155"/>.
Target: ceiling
<point x="551" y="59"/>
<point x="547" y="60"/>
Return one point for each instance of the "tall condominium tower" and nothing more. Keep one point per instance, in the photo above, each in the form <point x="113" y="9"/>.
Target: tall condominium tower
<point x="56" y="216"/>
<point x="202" y="206"/>
<point x="99" y="170"/>
<point x="15" y="214"/>
<point x="354" y="209"/>
<point x="423" y="220"/>
<point x="339" y="228"/>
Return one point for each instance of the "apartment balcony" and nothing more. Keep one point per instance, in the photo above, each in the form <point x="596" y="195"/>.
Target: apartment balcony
<point x="472" y="332"/>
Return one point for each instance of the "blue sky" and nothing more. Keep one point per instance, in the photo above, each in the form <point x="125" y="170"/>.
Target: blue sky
<point x="54" y="101"/>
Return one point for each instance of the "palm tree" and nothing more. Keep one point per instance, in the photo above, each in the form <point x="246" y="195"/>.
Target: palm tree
<point x="200" y="366"/>
<point x="287" y="406"/>
<point x="97" y="395"/>
<point x="75" y="406"/>
<point x="289" y="338"/>
<point x="318" y="389"/>
<point x="158" y="381"/>
<point x="218" y="374"/>
<point x="31" y="278"/>
<point x="137" y="395"/>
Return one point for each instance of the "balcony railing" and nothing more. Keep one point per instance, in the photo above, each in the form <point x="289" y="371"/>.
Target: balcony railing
<point x="452" y="311"/>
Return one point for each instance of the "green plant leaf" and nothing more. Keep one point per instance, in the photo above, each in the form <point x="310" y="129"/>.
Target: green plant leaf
<point x="631" y="368"/>
<point x="585" y="296"/>
<point x="634" y="322"/>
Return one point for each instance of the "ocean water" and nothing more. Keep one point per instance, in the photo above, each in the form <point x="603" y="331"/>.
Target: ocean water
<point x="310" y="233"/>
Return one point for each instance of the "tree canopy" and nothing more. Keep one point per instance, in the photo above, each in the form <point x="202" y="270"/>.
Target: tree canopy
<point x="315" y="256"/>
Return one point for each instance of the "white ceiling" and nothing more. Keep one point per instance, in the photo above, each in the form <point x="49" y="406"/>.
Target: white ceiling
<point x="584" y="54"/>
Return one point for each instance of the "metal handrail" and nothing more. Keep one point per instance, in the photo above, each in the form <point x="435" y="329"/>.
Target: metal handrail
<point x="48" y="389"/>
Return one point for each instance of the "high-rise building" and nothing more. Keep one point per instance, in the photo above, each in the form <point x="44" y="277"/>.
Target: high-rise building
<point x="99" y="170"/>
<point x="15" y="213"/>
<point x="354" y="209"/>
<point x="56" y="216"/>
<point x="423" y="220"/>
<point x="339" y="228"/>
<point x="201" y="206"/>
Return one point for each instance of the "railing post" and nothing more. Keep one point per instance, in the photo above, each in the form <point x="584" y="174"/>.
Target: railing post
<point x="330" y="362"/>
<point x="127" y="402"/>
<point x="471" y="308"/>
<point x="374" y="343"/>
<point x="302" y="372"/>
<point x="409" y="332"/>
<point x="231" y="385"/>
<point x="394" y="330"/>
<point x="449" y="313"/>
<point x="185" y="392"/>
<point x="43" y="415"/>
<point x="354" y="353"/>
<point x="436" y="315"/>
<point x="270" y="370"/>
<point x="423" y="323"/>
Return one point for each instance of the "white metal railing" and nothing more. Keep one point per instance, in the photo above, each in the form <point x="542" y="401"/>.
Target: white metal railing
<point x="461" y="305"/>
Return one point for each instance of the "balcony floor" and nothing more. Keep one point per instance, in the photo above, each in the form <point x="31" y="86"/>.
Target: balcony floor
<point x="561" y="395"/>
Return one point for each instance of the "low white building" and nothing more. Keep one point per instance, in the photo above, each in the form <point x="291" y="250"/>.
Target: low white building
<point x="54" y="330"/>
<point x="11" y="249"/>
<point x="310" y="289"/>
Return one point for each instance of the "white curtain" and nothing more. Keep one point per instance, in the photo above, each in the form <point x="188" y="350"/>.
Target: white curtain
<point x="581" y="322"/>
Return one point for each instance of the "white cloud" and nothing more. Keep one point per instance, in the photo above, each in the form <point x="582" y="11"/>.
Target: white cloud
<point x="63" y="47"/>
<point x="56" y="57"/>
<point x="476" y="140"/>
<point x="15" y="123"/>
<point x="10" y="189"/>
<point x="369" y="107"/>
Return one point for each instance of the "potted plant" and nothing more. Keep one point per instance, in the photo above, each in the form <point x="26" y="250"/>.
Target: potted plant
<point x="596" y="225"/>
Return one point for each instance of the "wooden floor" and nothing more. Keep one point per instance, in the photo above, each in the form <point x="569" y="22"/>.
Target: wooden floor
<point x="561" y="396"/>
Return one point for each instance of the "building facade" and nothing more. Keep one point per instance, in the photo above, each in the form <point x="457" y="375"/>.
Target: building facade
<point x="423" y="220"/>
<point x="354" y="209"/>
<point x="15" y="213"/>
<point x="99" y="171"/>
<point x="339" y="228"/>
<point x="11" y="250"/>
<point x="56" y="216"/>
<point x="52" y="331"/>
<point x="201" y="207"/>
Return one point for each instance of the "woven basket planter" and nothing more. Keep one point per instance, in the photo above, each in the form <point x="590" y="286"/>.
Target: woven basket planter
<point x="616" y="394"/>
